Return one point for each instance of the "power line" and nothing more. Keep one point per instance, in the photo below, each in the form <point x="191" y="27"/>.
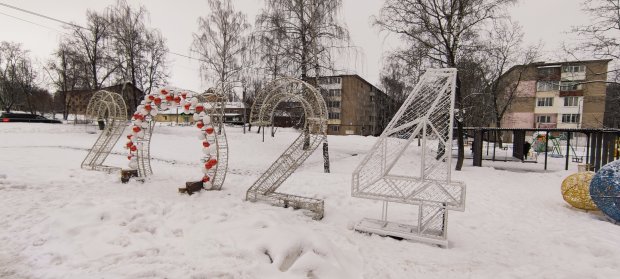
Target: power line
<point x="31" y="22"/>
<point x="40" y="15"/>
<point x="70" y="24"/>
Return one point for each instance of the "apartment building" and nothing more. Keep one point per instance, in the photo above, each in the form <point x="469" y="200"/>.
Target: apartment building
<point x="557" y="95"/>
<point x="355" y="107"/>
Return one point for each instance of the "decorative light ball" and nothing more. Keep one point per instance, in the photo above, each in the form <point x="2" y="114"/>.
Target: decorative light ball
<point x="164" y="91"/>
<point x="187" y="106"/>
<point x="199" y="124"/>
<point x="209" y="130"/>
<point x="205" y="144"/>
<point x="129" y="137"/>
<point x="605" y="190"/>
<point x="129" y="144"/>
<point x="208" y="166"/>
<point x="151" y="97"/>
<point x="212" y="162"/>
<point x="148" y="107"/>
<point x="199" y="108"/>
<point x="133" y="148"/>
<point x="136" y="129"/>
<point x="184" y="95"/>
<point x="133" y="165"/>
<point x="157" y="101"/>
<point x="206" y="179"/>
<point x="576" y="190"/>
<point x="177" y="99"/>
<point x="169" y="98"/>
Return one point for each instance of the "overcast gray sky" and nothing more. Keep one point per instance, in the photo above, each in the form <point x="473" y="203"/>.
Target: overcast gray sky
<point x="542" y="20"/>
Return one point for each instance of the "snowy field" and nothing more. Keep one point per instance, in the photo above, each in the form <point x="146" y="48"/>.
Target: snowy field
<point x="59" y="221"/>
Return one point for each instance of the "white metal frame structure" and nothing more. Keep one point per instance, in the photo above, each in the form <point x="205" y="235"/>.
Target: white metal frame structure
<point x="314" y="132"/>
<point x="110" y="108"/>
<point x="427" y="114"/>
<point x="208" y="115"/>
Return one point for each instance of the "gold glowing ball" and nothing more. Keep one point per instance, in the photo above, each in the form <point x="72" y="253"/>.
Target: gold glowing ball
<point x="576" y="190"/>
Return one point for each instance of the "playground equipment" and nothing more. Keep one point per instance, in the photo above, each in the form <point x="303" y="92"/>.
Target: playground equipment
<point x="110" y="111"/>
<point x="576" y="190"/>
<point x="427" y="113"/>
<point x="314" y="132"/>
<point x="208" y="117"/>
<point x="539" y="146"/>
<point x="605" y="190"/>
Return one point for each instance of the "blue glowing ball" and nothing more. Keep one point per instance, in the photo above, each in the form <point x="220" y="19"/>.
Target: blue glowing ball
<point x="605" y="190"/>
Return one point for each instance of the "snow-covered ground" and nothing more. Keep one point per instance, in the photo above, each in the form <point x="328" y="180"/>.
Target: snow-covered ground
<point x="59" y="221"/>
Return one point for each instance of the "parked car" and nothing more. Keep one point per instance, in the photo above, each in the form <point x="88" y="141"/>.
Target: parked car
<point x="26" y="117"/>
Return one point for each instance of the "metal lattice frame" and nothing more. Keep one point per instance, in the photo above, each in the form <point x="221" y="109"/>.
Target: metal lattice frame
<point x="576" y="190"/>
<point x="110" y="108"/>
<point x="209" y="116"/>
<point x="314" y="132"/>
<point x="427" y="114"/>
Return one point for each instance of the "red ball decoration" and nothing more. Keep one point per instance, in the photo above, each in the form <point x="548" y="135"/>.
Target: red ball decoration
<point x="129" y="157"/>
<point x="213" y="162"/>
<point x="199" y="108"/>
<point x="157" y="101"/>
<point x="186" y="106"/>
<point x="169" y="98"/>
<point x="136" y="129"/>
<point x="206" y="179"/>
<point x="129" y="137"/>
<point x="177" y="99"/>
<point x="151" y="97"/>
<point x="133" y="148"/>
<point x="206" y="144"/>
<point x="208" y="166"/>
<point x="129" y="144"/>
<point x="184" y="95"/>
<point x="148" y="107"/>
<point x="199" y="124"/>
<point x="164" y="92"/>
<point x="209" y="130"/>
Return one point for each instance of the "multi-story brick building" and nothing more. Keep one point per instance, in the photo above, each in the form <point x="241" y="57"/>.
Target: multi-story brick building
<point x="355" y="107"/>
<point x="557" y="95"/>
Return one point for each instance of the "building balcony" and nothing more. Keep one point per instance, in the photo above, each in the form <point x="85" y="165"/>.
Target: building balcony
<point x="573" y="75"/>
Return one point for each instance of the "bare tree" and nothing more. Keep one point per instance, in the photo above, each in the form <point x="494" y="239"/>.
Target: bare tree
<point x="11" y="55"/>
<point x="504" y="52"/>
<point x="600" y="37"/>
<point x="139" y="51"/>
<point x="152" y="69"/>
<point x="307" y="30"/>
<point x="93" y="44"/>
<point x="445" y="28"/>
<point x="67" y="71"/>
<point x="221" y="42"/>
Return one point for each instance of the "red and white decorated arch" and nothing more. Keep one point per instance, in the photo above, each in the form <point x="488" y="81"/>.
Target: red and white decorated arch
<point x="207" y="111"/>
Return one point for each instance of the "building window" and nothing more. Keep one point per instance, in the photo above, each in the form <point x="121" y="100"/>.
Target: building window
<point x="334" y="93"/>
<point x="547" y="86"/>
<point x="334" y="115"/>
<point x="545" y="102"/>
<point x="570" y="118"/>
<point x="574" y="69"/>
<point x="333" y="104"/>
<point x="570" y="86"/>
<point x="543" y="119"/>
<point x="549" y="71"/>
<point x="571" y="101"/>
<point x="334" y="128"/>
